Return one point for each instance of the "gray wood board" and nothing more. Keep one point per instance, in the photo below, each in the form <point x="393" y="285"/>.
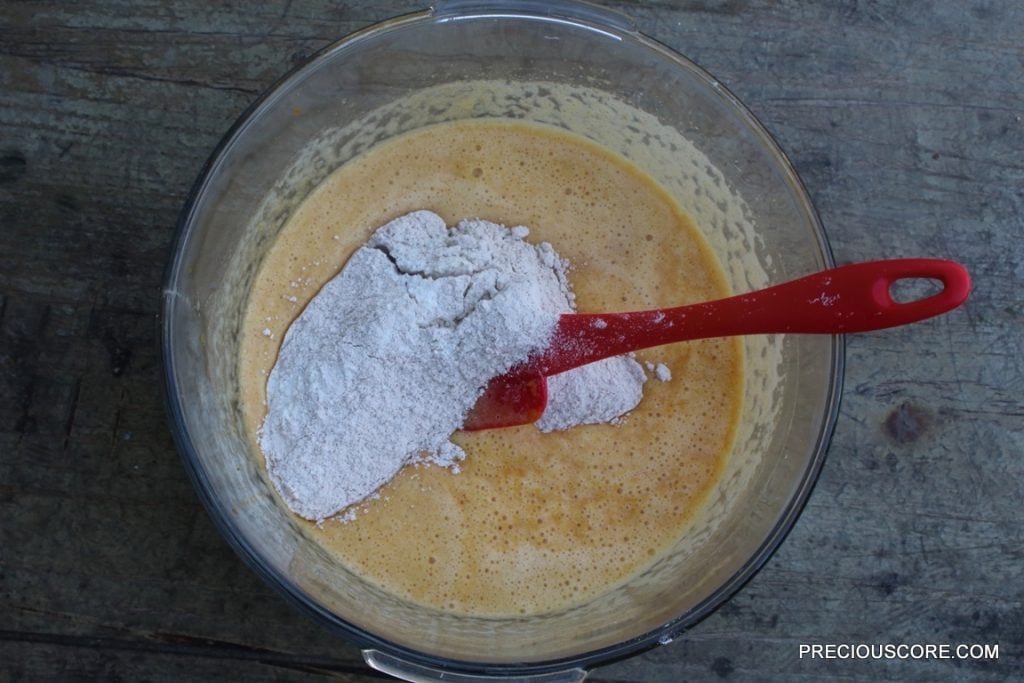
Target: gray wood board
<point x="903" y="119"/>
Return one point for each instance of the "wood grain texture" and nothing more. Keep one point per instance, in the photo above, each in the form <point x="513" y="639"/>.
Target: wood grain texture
<point x="904" y="121"/>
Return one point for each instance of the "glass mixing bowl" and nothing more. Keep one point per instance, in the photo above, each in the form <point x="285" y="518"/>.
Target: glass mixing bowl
<point x="570" y="65"/>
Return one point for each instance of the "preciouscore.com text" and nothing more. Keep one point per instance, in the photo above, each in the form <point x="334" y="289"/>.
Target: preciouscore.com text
<point x="899" y="651"/>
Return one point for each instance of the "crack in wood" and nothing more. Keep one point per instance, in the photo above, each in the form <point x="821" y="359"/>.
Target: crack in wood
<point x="177" y="644"/>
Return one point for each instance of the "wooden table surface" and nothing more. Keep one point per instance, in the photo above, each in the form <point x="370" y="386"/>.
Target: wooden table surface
<point x="905" y="122"/>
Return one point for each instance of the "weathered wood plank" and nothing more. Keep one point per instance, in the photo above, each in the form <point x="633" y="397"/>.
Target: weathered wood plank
<point x="905" y="122"/>
<point x="45" y="657"/>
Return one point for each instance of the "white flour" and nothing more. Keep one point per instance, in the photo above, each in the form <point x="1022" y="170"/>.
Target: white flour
<point x="660" y="370"/>
<point x="598" y="392"/>
<point x="385" y="362"/>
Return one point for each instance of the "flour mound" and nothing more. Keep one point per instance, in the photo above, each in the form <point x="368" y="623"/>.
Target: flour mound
<point x="385" y="362"/>
<point x="593" y="393"/>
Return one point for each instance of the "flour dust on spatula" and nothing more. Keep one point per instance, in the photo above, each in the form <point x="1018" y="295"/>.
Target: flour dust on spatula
<point x="385" y="362"/>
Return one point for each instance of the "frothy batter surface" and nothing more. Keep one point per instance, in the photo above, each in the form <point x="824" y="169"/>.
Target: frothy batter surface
<point x="534" y="522"/>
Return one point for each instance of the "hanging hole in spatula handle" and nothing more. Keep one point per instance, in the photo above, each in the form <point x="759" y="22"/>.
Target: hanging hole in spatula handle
<point x="879" y="278"/>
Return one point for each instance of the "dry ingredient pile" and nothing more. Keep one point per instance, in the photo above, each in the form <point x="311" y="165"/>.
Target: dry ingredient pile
<point x="387" y="359"/>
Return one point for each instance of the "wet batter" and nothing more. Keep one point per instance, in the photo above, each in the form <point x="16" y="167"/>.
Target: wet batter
<point x="533" y="522"/>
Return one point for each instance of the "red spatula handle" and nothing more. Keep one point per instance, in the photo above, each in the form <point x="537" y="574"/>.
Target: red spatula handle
<point x="853" y="298"/>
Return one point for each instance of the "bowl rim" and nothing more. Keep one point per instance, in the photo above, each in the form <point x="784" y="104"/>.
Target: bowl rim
<point x="251" y="555"/>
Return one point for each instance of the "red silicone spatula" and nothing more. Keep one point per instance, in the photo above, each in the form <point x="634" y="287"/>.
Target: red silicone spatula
<point x="854" y="298"/>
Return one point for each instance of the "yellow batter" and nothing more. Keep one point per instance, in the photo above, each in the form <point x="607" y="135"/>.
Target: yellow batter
<point x="533" y="522"/>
